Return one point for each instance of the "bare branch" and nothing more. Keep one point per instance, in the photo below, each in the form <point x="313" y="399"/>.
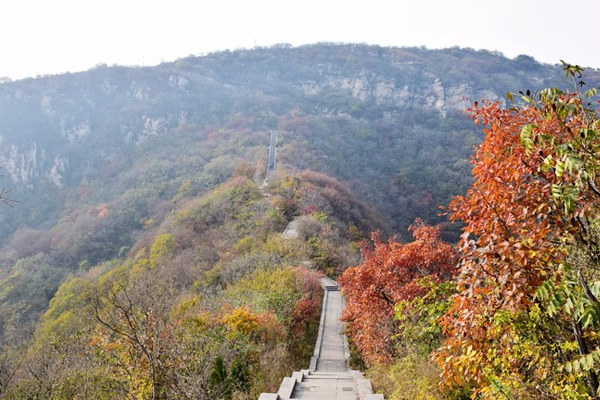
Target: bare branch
<point x="3" y="196"/>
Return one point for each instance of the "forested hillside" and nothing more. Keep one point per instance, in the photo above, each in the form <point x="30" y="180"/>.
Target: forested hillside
<point x="387" y="122"/>
<point x="142" y="259"/>
<point x="209" y="303"/>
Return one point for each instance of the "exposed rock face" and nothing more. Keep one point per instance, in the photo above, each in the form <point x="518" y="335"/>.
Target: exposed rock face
<point x="59" y="167"/>
<point x="47" y="106"/>
<point x="46" y="121"/>
<point x="77" y="132"/>
<point x="388" y="92"/>
<point x="21" y="164"/>
<point x="457" y="97"/>
<point x="178" y="82"/>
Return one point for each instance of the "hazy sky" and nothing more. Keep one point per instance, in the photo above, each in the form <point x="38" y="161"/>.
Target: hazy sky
<point x="53" y="36"/>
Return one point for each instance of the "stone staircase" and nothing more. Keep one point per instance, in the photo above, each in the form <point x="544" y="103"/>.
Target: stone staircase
<point x="328" y="377"/>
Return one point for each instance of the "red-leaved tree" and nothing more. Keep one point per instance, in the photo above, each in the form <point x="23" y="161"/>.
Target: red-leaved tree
<point x="388" y="275"/>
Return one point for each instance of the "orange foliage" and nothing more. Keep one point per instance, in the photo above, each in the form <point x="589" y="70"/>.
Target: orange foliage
<point x="387" y="276"/>
<point x="524" y="209"/>
<point x="241" y="320"/>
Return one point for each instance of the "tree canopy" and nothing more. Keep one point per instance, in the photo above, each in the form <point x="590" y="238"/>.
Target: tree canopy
<point x="391" y="273"/>
<point x="525" y="322"/>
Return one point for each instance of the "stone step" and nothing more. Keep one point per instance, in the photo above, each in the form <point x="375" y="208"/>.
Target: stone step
<point x="326" y="388"/>
<point x="328" y="377"/>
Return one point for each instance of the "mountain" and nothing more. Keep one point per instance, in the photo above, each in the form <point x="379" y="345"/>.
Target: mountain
<point x="145" y="181"/>
<point x="386" y="121"/>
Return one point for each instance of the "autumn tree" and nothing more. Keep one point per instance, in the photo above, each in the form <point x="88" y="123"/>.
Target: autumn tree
<point x="390" y="274"/>
<point x="526" y="321"/>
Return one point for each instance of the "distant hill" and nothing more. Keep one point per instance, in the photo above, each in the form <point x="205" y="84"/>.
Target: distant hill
<point x="388" y="122"/>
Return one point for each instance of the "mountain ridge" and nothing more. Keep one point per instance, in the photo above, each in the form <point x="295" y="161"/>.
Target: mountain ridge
<point x="64" y="132"/>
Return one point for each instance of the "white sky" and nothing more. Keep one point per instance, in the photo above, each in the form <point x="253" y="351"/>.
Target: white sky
<point x="52" y="36"/>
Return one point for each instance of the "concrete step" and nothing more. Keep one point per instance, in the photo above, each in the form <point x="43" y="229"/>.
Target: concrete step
<point x="326" y="389"/>
<point x="328" y="377"/>
<point x="335" y="365"/>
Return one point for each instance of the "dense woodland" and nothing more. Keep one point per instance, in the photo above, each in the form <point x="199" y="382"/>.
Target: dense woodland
<point x="143" y="261"/>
